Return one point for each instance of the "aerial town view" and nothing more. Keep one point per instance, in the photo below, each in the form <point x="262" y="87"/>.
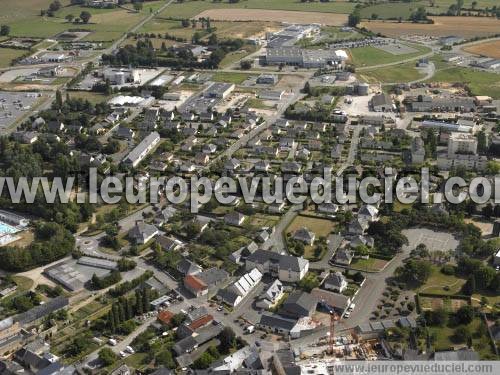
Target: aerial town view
<point x="249" y="187"/>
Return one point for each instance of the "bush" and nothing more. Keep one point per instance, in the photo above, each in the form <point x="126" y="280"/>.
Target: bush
<point x="448" y="269"/>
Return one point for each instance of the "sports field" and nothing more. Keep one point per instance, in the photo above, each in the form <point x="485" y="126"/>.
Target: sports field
<point x="466" y="27"/>
<point x="273" y="15"/>
<point x="369" y="56"/>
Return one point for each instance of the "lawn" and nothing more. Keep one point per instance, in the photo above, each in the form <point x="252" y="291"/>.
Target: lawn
<point x="188" y="9"/>
<point x="321" y="227"/>
<point x="445" y="339"/>
<point x="235" y="78"/>
<point x="395" y="74"/>
<point x="438" y="281"/>
<point x="368" y="265"/>
<point x="23" y="283"/>
<point x="480" y="83"/>
<point x="9" y="54"/>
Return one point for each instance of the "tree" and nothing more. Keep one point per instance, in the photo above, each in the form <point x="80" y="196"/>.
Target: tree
<point x="107" y="356"/>
<point x="138" y="6"/>
<point x="69" y="17"/>
<point x="4" y="30"/>
<point x="165" y="358"/>
<point x="415" y="271"/>
<point x="464" y="314"/>
<point x="461" y="334"/>
<point x="85" y="16"/>
<point x="354" y="18"/>
<point x="227" y="338"/>
<point x="437" y="317"/>
<point x="245" y="64"/>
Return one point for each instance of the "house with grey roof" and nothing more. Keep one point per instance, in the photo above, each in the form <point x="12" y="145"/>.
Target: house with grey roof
<point x="142" y="232"/>
<point x="381" y="103"/>
<point x="286" y="268"/>
<point x="335" y="282"/>
<point x="234" y="218"/>
<point x="125" y="133"/>
<point x="304" y="235"/>
<point x="272" y="294"/>
<point x="344" y="257"/>
<point x="275" y="323"/>
<point x="187" y="267"/>
<point x="169" y="243"/>
<point x="298" y="305"/>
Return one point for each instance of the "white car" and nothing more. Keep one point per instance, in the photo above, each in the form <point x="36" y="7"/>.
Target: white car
<point x="129" y="350"/>
<point x="122" y="354"/>
<point x="347" y="315"/>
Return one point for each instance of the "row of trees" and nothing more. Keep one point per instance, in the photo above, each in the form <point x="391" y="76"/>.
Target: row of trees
<point x="126" y="308"/>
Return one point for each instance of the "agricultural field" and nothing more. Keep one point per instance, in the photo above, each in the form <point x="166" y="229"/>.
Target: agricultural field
<point x="271" y="15"/>
<point x="9" y="54"/>
<point x="188" y="9"/>
<point x="467" y="27"/>
<point x="369" y="56"/>
<point x="488" y="49"/>
<point x="480" y="83"/>
<point x="396" y="74"/>
<point x="405" y="9"/>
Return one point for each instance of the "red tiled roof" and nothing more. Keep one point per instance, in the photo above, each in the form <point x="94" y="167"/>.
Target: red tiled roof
<point x="203" y="321"/>
<point x="165" y="316"/>
<point x="194" y="283"/>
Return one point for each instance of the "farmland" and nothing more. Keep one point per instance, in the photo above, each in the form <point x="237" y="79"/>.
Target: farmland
<point x="271" y="15"/>
<point x="466" y="27"/>
<point x="489" y="49"/>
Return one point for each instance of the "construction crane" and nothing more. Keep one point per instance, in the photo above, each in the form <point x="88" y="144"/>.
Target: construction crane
<point x="331" y="341"/>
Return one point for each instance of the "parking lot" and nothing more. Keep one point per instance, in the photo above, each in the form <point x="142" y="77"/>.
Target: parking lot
<point x="434" y="240"/>
<point x="14" y="105"/>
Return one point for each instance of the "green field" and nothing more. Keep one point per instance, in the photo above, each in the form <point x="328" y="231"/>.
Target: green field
<point x="480" y="83"/>
<point x="9" y="54"/>
<point x="405" y="9"/>
<point x="395" y="74"/>
<point x="189" y="9"/>
<point x="106" y="24"/>
<point x="369" y="56"/>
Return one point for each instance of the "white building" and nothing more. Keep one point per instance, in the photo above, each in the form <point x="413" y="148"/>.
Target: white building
<point x="462" y="143"/>
<point x="122" y="76"/>
<point x="142" y="149"/>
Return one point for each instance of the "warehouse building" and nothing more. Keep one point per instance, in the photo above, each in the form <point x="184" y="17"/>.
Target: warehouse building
<point x="142" y="149"/>
<point x="306" y="58"/>
<point x="219" y="90"/>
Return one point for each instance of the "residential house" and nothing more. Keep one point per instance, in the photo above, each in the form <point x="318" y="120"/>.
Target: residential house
<point x="271" y="295"/>
<point x="336" y="282"/>
<point x="344" y="257"/>
<point x="234" y="218"/>
<point x="286" y="268"/>
<point x="187" y="267"/>
<point x="169" y="243"/>
<point x="304" y="235"/>
<point x="298" y="305"/>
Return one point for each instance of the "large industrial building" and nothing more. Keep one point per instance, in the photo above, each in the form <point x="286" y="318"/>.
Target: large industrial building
<point x="306" y="58"/>
<point x="121" y="76"/>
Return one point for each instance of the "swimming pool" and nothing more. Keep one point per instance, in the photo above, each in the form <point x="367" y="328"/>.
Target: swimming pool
<point x="7" y="229"/>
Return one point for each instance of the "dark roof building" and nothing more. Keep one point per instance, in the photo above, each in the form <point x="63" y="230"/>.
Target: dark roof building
<point x="299" y="304"/>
